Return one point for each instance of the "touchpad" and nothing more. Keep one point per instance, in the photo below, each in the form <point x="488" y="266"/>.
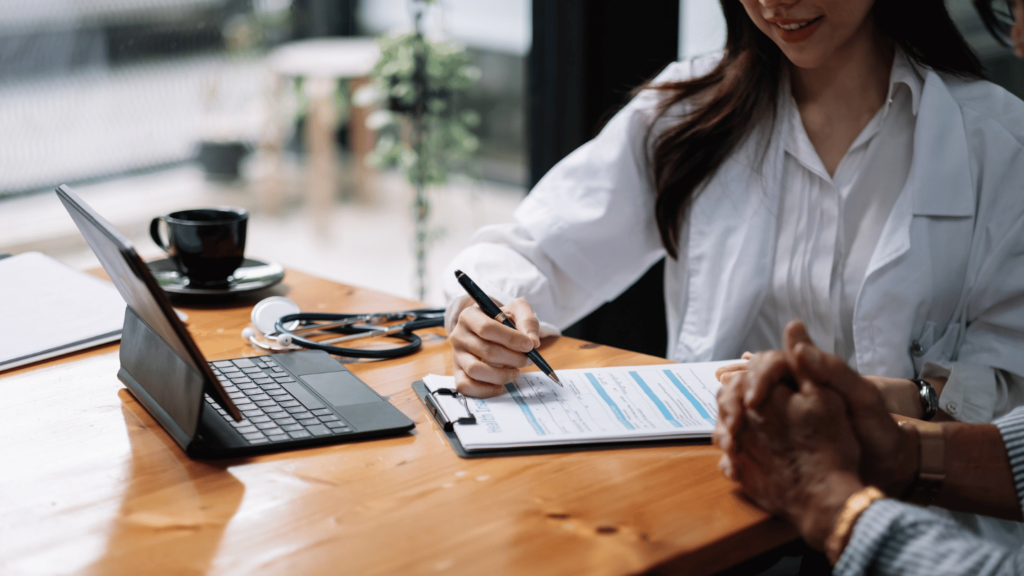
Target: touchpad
<point x="341" y="388"/>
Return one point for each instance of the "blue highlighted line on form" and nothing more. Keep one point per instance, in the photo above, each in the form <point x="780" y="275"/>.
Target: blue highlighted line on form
<point x="657" y="401"/>
<point x="611" y="403"/>
<point x="689" y="396"/>
<point x="514" y="392"/>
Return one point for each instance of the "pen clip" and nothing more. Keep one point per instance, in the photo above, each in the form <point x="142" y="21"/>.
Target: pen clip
<point x="447" y="422"/>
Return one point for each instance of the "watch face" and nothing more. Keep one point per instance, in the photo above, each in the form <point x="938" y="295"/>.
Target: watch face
<point x="929" y="399"/>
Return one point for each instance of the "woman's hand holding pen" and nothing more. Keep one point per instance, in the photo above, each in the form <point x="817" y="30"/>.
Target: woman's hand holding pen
<point x="487" y="354"/>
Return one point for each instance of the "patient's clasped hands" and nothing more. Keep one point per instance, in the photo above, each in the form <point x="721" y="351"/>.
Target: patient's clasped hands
<point x="801" y="431"/>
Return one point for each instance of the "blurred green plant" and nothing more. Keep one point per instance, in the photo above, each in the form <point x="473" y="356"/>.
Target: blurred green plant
<point x="434" y="92"/>
<point x="421" y="126"/>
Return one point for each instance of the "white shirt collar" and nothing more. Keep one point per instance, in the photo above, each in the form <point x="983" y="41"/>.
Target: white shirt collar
<point x="904" y="72"/>
<point x="795" y="139"/>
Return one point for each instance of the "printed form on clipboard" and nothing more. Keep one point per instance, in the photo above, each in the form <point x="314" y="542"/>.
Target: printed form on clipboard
<point x="596" y="405"/>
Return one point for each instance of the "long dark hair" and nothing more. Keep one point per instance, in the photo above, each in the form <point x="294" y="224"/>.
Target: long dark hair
<point x="741" y="91"/>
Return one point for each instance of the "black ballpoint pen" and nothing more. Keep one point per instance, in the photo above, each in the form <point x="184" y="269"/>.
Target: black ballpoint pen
<point x="492" y="310"/>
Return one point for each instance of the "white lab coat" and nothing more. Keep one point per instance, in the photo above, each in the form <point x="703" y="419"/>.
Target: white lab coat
<point x="945" y="283"/>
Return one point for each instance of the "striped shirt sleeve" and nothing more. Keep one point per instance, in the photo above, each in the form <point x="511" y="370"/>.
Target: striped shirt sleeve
<point x="893" y="537"/>
<point x="1011" y="427"/>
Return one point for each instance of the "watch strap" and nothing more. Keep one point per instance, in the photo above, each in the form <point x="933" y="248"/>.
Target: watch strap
<point x="932" y="458"/>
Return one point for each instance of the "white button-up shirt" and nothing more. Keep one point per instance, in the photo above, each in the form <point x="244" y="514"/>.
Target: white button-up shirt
<point x="942" y="286"/>
<point x="829" y="224"/>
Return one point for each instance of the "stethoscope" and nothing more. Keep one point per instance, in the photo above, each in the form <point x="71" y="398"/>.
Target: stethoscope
<point x="281" y="321"/>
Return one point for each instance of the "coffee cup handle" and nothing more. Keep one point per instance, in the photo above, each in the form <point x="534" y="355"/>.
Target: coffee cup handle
<point x="154" y="233"/>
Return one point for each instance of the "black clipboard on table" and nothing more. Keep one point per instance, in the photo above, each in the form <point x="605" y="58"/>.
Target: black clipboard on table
<point x="448" y="409"/>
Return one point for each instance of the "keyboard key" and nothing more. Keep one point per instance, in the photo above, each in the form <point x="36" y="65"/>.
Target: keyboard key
<point x="231" y="388"/>
<point x="260" y="364"/>
<point x="259" y="441"/>
<point x="231" y="370"/>
<point x="252" y="370"/>
<point x="301" y="415"/>
<point x="242" y="380"/>
<point x="248" y="386"/>
<point x="250" y="413"/>
<point x="247" y="429"/>
<point x="266" y="425"/>
<point x="337" y="426"/>
<point x="297" y="409"/>
<point x="318" y="430"/>
<point x="222" y="364"/>
<point x="289" y="403"/>
<point x="329" y="418"/>
<point x="309" y="421"/>
<point x="302" y="395"/>
<point x="260" y="396"/>
<point x="236" y="395"/>
<point x="265" y="403"/>
<point x="263" y="380"/>
<point x="240" y="423"/>
<point x="276" y="411"/>
<point x="259" y="419"/>
<point x="283" y="421"/>
<point x="322" y="411"/>
<point x="253" y="435"/>
<point x="268" y="386"/>
<point x="278" y="437"/>
<point x="282" y="415"/>
<point x="280" y="394"/>
<point x="283" y="380"/>
<point x="243" y="363"/>
<point x="292" y="427"/>
<point x="300" y="434"/>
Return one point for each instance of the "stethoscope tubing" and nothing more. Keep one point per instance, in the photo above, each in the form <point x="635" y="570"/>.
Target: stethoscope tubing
<point x="346" y="323"/>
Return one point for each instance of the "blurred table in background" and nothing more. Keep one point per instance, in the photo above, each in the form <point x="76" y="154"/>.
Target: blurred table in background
<point x="93" y="485"/>
<point x="321" y="64"/>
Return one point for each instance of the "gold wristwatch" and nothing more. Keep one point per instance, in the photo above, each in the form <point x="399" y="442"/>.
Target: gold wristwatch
<point x="855" y="505"/>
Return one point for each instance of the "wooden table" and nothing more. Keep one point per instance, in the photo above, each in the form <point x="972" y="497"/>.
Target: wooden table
<point x="92" y="485"/>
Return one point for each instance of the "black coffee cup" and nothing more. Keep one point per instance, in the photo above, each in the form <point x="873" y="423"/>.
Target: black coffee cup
<point x="206" y="245"/>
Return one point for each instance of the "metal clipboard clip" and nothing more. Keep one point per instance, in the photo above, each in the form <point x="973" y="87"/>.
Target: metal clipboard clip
<point x="447" y="421"/>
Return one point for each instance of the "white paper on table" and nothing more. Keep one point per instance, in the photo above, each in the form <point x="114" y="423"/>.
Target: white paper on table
<point x="48" y="308"/>
<point x="633" y="403"/>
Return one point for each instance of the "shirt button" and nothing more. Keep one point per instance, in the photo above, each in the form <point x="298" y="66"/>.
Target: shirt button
<point x="951" y="408"/>
<point x="915" y="349"/>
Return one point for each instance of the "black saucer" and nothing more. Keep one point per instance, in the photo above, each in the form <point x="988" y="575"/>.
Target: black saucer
<point x="251" y="275"/>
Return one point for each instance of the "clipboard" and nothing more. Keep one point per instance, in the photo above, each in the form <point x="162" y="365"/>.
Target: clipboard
<point x="446" y="423"/>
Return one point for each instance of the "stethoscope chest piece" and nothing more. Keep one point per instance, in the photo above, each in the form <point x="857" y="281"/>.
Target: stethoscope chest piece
<point x="266" y="312"/>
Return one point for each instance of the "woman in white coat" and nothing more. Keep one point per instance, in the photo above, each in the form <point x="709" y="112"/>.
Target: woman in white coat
<point x="840" y="162"/>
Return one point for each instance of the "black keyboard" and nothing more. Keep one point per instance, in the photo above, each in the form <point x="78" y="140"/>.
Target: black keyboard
<point x="275" y="406"/>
